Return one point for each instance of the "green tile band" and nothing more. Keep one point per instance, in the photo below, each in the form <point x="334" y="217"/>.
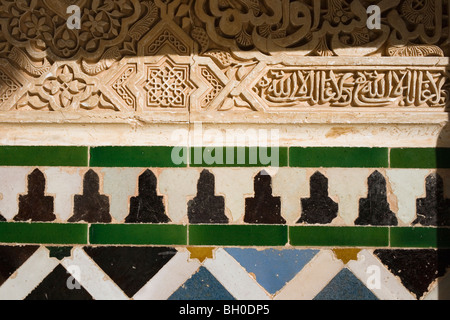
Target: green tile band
<point x="43" y="233"/>
<point x="338" y="157"/>
<point x="138" y="234"/>
<point x="421" y="237"/>
<point x="43" y="156"/>
<point x="238" y="235"/>
<point x="325" y="236"/>
<point x="163" y="157"/>
<point x="420" y="158"/>
<point x="238" y="157"/>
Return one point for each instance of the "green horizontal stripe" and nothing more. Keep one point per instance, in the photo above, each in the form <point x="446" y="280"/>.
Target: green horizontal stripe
<point x="324" y="236"/>
<point x="238" y="235"/>
<point x="43" y="156"/>
<point x="43" y="233"/>
<point x="138" y="157"/>
<point x="238" y="157"/>
<point x="138" y="234"/>
<point x="420" y="158"/>
<point x="421" y="237"/>
<point x="338" y="157"/>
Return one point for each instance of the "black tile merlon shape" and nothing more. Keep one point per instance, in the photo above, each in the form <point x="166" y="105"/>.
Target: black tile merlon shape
<point x="375" y="209"/>
<point x="131" y="267"/>
<point x="147" y="207"/>
<point x="206" y="207"/>
<point x="12" y="257"/>
<point x="319" y="208"/>
<point x="263" y="208"/>
<point x="55" y="287"/>
<point x="91" y="206"/>
<point x="434" y="209"/>
<point x="2" y="218"/>
<point x="417" y="269"/>
<point x="36" y="206"/>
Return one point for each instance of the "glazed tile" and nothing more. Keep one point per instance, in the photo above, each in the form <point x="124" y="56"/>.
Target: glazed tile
<point x="169" y="278"/>
<point x="272" y="268"/>
<point x="421" y="158"/>
<point x="142" y="157"/>
<point x="417" y="269"/>
<point x="28" y="276"/>
<point x="120" y="184"/>
<point x="238" y="235"/>
<point x="95" y="281"/>
<point x="130" y="267"/>
<point x="44" y="156"/>
<point x="407" y="186"/>
<point x="240" y="284"/>
<point x="202" y="286"/>
<point x="367" y="268"/>
<point x="178" y="193"/>
<point x="14" y="182"/>
<point x="12" y="257"/>
<point x="348" y="194"/>
<point x="339" y="236"/>
<point x="234" y="193"/>
<point x="54" y="287"/>
<point x="312" y="278"/>
<point x="338" y="157"/>
<point x="345" y="286"/>
<point x="63" y="184"/>
<point x="290" y="185"/>
<point x="138" y="234"/>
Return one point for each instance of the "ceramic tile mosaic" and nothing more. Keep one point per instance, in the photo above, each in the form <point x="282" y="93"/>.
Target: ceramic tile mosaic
<point x="224" y="150"/>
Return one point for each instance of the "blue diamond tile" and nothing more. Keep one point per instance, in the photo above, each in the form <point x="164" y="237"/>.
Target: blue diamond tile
<point x="272" y="268"/>
<point x="345" y="286"/>
<point x="202" y="286"/>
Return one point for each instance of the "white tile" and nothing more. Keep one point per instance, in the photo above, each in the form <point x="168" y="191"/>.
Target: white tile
<point x="368" y="268"/>
<point x="179" y="186"/>
<point x="120" y="184"/>
<point x="348" y="186"/>
<point x="234" y="278"/>
<point x="92" y="278"/>
<point x="63" y="184"/>
<point x="173" y="275"/>
<point x="235" y="185"/>
<point x="407" y="185"/>
<point x="313" y="278"/>
<point x="13" y="183"/>
<point x="291" y="185"/>
<point x="28" y="276"/>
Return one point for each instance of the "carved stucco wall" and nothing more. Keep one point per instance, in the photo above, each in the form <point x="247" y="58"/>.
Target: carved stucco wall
<point x="313" y="63"/>
<point x="180" y="73"/>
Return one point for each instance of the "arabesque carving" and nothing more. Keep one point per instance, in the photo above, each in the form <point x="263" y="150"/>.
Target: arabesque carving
<point x="206" y="56"/>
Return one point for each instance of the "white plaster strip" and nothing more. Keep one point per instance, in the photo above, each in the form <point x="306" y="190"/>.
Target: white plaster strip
<point x="367" y="267"/>
<point x="92" y="277"/>
<point x="234" y="278"/>
<point x="173" y="275"/>
<point x="311" y="280"/>
<point x="28" y="276"/>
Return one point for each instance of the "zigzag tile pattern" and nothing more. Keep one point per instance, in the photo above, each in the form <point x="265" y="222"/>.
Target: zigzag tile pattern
<point x="224" y="274"/>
